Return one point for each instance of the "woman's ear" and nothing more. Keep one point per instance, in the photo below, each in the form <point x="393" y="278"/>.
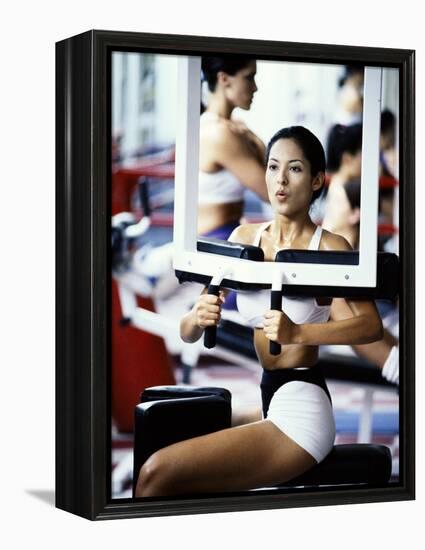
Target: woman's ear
<point x="222" y="78"/>
<point x="318" y="181"/>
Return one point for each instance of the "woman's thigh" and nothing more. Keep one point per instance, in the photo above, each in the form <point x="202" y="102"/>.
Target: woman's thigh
<point x="240" y="458"/>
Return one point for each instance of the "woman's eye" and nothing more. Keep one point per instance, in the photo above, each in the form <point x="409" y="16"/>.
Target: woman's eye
<point x="296" y="168"/>
<point x="272" y="166"/>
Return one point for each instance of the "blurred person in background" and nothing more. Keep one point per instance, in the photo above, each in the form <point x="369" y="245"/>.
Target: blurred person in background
<point x="342" y="216"/>
<point x="342" y="207"/>
<point x="344" y="160"/>
<point x="350" y="96"/>
<point x="387" y="143"/>
<point x="388" y="168"/>
<point x="231" y="155"/>
<point x="231" y="160"/>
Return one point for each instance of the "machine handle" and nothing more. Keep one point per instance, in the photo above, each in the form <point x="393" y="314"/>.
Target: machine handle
<point x="210" y="334"/>
<point x="275" y="303"/>
<point x="144" y="196"/>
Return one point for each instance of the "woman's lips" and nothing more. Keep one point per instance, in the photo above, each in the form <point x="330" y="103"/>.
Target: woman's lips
<point x="281" y="197"/>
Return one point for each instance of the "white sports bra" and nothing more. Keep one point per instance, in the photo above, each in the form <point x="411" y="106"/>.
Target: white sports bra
<point x="219" y="187"/>
<point x="253" y="304"/>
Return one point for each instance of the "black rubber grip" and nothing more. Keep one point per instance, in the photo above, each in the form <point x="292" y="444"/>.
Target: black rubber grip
<point x="275" y="303"/>
<point x="210" y="333"/>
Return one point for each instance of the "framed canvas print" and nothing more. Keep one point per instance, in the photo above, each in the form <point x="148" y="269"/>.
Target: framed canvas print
<point x="235" y="274"/>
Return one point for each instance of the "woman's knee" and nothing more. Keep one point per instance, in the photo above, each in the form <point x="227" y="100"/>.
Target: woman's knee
<point x="152" y="476"/>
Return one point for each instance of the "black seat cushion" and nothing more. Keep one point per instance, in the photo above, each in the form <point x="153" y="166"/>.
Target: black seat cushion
<point x="177" y="414"/>
<point x="158" y="393"/>
<point x="350" y="464"/>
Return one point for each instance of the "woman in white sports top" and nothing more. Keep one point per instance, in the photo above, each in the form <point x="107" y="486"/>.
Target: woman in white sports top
<point x="231" y="157"/>
<point x="298" y="427"/>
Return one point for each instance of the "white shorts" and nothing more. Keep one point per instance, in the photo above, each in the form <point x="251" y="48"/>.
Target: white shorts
<point x="303" y="412"/>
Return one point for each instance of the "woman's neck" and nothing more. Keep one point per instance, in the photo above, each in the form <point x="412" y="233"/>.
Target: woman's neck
<point x="285" y="231"/>
<point x="220" y="106"/>
<point x="342" y="175"/>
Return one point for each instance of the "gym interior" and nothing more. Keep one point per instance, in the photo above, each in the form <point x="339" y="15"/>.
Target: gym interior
<point x="147" y="350"/>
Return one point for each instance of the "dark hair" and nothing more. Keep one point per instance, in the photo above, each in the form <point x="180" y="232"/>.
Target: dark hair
<point x="311" y="147"/>
<point x="229" y="64"/>
<point x="349" y="71"/>
<point x="387" y="121"/>
<point x="352" y="190"/>
<point x="342" y="139"/>
<point x="388" y="125"/>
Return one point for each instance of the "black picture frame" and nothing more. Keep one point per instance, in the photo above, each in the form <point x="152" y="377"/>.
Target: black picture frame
<point x="82" y="251"/>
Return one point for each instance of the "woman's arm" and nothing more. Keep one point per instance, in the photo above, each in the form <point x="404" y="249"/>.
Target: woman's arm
<point x="205" y="313"/>
<point x="253" y="141"/>
<point x="363" y="324"/>
<point x="363" y="327"/>
<point x="376" y="352"/>
<point x="207" y="310"/>
<point x="234" y="153"/>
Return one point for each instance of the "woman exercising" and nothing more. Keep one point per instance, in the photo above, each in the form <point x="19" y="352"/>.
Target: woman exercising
<point x="231" y="160"/>
<point x="231" y="156"/>
<point x="298" y="428"/>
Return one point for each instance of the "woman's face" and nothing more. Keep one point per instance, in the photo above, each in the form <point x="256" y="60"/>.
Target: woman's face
<point x="352" y="164"/>
<point x="288" y="177"/>
<point x="240" y="87"/>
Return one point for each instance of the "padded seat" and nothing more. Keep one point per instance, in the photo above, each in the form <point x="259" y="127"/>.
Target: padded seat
<point x="168" y="414"/>
<point x="349" y="464"/>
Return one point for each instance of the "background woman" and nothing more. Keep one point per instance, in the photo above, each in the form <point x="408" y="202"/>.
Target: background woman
<point x="231" y="160"/>
<point x="298" y="428"/>
<point x="344" y="164"/>
<point x="231" y="155"/>
<point x="342" y="216"/>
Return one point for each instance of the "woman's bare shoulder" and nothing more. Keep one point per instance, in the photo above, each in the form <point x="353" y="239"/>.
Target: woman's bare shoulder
<point x="245" y="233"/>
<point x="219" y="132"/>
<point x="332" y="241"/>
